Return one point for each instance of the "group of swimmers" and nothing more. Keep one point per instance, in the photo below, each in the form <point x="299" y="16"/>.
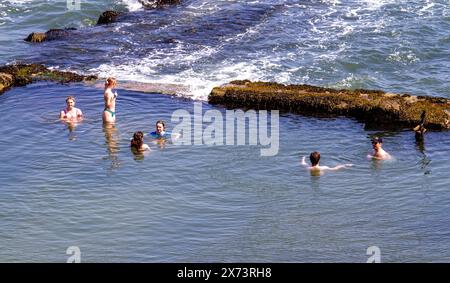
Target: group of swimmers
<point x="72" y="114"/>
<point x="378" y="153"/>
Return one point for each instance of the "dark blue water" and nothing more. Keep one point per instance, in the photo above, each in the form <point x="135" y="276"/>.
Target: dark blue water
<point x="85" y="188"/>
<point x="397" y="46"/>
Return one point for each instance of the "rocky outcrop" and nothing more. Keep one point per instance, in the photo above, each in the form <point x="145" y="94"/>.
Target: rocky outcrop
<point x="6" y="80"/>
<point x="108" y="17"/>
<point x="152" y="4"/>
<point x="376" y="108"/>
<point x="53" y="34"/>
<point x="23" y="74"/>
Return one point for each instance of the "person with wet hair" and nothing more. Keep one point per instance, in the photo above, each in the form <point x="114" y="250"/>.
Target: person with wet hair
<point x="314" y="157"/>
<point x="160" y="130"/>
<point x="70" y="113"/>
<point x="137" y="142"/>
<point x="109" y="113"/>
<point x="378" y="151"/>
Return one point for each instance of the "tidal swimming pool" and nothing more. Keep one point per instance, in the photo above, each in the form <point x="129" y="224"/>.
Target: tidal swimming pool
<point x="85" y="188"/>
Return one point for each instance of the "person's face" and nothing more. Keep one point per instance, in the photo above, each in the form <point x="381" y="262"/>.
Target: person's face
<point x="70" y="103"/>
<point x="376" y="145"/>
<point x="159" y="128"/>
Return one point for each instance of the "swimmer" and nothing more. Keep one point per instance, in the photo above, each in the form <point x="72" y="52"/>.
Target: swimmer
<point x="137" y="142"/>
<point x="109" y="113"/>
<point x="314" y="157"/>
<point x="160" y="130"/>
<point x="378" y="152"/>
<point x="70" y="113"/>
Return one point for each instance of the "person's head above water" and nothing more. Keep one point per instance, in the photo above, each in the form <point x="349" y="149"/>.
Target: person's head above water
<point x="160" y="127"/>
<point x="110" y="82"/>
<point x="138" y="140"/>
<point x="314" y="157"/>
<point x="377" y="143"/>
<point x="70" y="101"/>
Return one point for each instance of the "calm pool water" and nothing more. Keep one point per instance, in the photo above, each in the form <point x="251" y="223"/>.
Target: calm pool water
<point x="210" y="203"/>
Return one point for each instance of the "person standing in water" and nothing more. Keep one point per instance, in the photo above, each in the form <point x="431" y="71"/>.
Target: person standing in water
<point x="378" y="152"/>
<point x="109" y="113"/>
<point x="314" y="157"/>
<point x="71" y="113"/>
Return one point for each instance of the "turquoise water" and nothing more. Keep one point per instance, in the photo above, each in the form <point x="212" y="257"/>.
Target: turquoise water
<point x="210" y="203"/>
<point x="61" y="188"/>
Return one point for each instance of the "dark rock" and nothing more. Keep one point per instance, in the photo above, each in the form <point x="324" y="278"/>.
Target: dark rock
<point x="36" y="37"/>
<point x="108" y="17"/>
<point x="375" y="108"/>
<point x="6" y="80"/>
<point x="51" y="34"/>
<point x="23" y="74"/>
<point x="58" y="33"/>
<point x="152" y="4"/>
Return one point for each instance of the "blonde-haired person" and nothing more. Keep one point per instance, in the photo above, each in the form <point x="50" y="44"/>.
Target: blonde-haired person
<point x="70" y="113"/>
<point x="109" y="113"/>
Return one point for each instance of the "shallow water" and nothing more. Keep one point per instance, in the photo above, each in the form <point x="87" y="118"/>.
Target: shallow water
<point x="210" y="203"/>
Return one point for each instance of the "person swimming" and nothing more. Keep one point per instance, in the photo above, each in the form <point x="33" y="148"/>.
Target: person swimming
<point x="137" y="142"/>
<point x="378" y="152"/>
<point x="70" y="113"/>
<point x="109" y="113"/>
<point x="160" y="132"/>
<point x="314" y="157"/>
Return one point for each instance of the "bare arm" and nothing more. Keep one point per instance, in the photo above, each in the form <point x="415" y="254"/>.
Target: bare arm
<point x="304" y="162"/>
<point x="340" y="167"/>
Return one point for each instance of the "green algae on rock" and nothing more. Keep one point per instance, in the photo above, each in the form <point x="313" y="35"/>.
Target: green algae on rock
<point x="23" y="74"/>
<point x="375" y="108"/>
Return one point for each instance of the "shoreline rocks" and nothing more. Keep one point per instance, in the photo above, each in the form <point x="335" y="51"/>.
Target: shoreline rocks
<point x="23" y="74"/>
<point x="377" y="109"/>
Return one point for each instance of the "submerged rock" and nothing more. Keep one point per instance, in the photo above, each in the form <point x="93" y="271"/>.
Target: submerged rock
<point x="152" y="4"/>
<point x="52" y="34"/>
<point x="23" y="74"/>
<point x="376" y="108"/>
<point x="108" y="17"/>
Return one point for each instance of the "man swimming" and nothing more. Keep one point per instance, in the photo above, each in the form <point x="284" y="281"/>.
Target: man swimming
<point x="314" y="157"/>
<point x="378" y="152"/>
<point x="109" y="113"/>
<point x="70" y="113"/>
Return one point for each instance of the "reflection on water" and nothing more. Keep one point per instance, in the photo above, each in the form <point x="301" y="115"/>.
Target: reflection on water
<point x="111" y="138"/>
<point x="420" y="146"/>
<point x="71" y="126"/>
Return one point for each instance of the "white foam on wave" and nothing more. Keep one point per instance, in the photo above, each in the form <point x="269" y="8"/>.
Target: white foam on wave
<point x="188" y="83"/>
<point x="132" y="5"/>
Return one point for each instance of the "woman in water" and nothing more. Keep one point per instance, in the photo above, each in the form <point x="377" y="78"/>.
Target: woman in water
<point x="109" y="113"/>
<point x="71" y="113"/>
<point x="160" y="130"/>
<point x="137" y="143"/>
